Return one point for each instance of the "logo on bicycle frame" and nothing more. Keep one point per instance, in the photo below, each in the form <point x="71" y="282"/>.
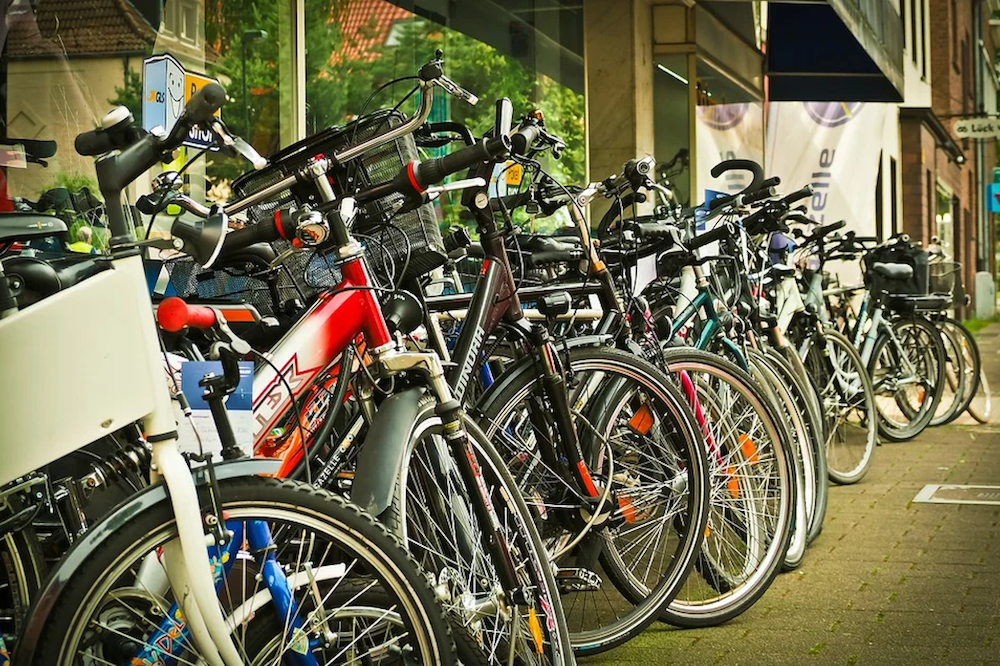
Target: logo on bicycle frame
<point x="833" y="114"/>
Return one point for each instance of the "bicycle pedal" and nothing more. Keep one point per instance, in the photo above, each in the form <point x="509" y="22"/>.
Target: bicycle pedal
<point x="574" y="579"/>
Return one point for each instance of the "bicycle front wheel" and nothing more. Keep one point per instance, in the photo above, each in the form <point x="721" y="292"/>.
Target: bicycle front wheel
<point x="907" y="370"/>
<point x="623" y="557"/>
<point x="118" y="607"/>
<point x="752" y="494"/>
<point x="848" y="406"/>
<point x="432" y="511"/>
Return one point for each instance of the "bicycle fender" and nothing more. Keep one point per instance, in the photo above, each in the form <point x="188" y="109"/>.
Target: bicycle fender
<point x="381" y="458"/>
<point x="527" y="364"/>
<point x="79" y="553"/>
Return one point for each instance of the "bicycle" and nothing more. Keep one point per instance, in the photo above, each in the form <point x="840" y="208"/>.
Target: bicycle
<point x="143" y="576"/>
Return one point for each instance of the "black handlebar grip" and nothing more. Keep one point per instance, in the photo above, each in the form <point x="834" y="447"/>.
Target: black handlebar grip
<point x="653" y="230"/>
<point x="760" y="195"/>
<point x="539" y="259"/>
<point x="829" y="228"/>
<point x="719" y="202"/>
<point x="204" y="103"/>
<point x="798" y="195"/>
<point x="523" y="139"/>
<point x="748" y="165"/>
<point x="720" y="232"/>
<point x="265" y="231"/>
<point x="93" y="143"/>
<point x="773" y="181"/>
<point x="425" y="174"/>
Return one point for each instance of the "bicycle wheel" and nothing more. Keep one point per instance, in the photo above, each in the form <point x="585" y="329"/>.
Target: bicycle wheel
<point x="432" y="512"/>
<point x="907" y="371"/>
<point x="799" y="449"/>
<point x="981" y="407"/>
<point x="807" y="401"/>
<point x="752" y="492"/>
<point x="22" y="569"/>
<point x="112" y="608"/>
<point x="623" y="557"/>
<point x="848" y="406"/>
<point x="962" y="372"/>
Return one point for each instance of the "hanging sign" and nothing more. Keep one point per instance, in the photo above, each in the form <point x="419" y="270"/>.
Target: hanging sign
<point x="166" y="88"/>
<point x="976" y="128"/>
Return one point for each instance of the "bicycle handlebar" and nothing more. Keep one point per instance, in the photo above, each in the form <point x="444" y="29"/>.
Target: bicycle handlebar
<point x="174" y="315"/>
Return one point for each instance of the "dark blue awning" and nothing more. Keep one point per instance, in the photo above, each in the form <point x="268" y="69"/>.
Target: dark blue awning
<point x="819" y="51"/>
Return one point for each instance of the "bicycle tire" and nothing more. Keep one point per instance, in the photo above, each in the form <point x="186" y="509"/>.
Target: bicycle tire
<point x="923" y="339"/>
<point x="800" y="451"/>
<point x="585" y="364"/>
<point x="281" y="503"/>
<point x="981" y="407"/>
<point x="812" y="416"/>
<point x="22" y="569"/>
<point x="711" y="595"/>
<point x="969" y="366"/>
<point x="416" y="524"/>
<point x="842" y="378"/>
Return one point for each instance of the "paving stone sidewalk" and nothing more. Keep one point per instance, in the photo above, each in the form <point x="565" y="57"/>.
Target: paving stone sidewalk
<point x="889" y="581"/>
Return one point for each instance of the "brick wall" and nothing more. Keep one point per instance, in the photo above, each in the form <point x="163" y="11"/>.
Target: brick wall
<point x="953" y="89"/>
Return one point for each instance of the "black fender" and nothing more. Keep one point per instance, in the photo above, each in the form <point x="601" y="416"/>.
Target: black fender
<point x="527" y="364"/>
<point x="381" y="458"/>
<point x="97" y="535"/>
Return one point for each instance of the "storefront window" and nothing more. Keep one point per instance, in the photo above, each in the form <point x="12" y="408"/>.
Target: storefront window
<point x="528" y="51"/>
<point x="729" y="124"/>
<point x="945" y="225"/>
<point x="67" y="62"/>
<point x="671" y="107"/>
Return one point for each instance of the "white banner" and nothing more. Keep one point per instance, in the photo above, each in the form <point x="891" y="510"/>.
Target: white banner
<point x="833" y="146"/>
<point x="726" y="132"/>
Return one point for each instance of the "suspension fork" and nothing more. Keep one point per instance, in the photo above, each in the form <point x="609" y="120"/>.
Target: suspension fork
<point x="450" y="411"/>
<point x="551" y="372"/>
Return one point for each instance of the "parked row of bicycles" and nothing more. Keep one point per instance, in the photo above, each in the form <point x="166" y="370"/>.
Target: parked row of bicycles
<point x="511" y="450"/>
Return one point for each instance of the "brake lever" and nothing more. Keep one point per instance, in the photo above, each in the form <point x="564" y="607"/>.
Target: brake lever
<point x="437" y="190"/>
<point x="454" y="89"/>
<point x="238" y="145"/>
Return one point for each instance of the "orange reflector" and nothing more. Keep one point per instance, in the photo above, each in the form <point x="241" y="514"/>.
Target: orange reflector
<point x="708" y="532"/>
<point x="733" y="483"/>
<point x="238" y="315"/>
<point x="536" y="630"/>
<point x="748" y="448"/>
<point x="588" y="482"/>
<point x="642" y="421"/>
<point x="628" y="510"/>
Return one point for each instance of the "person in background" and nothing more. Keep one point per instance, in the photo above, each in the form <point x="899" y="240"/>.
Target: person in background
<point x="84" y="236"/>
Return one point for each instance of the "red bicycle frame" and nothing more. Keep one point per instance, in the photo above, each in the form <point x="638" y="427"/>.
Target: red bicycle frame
<point x="344" y="314"/>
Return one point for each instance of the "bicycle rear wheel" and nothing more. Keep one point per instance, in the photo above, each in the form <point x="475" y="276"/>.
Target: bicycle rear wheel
<point x="962" y="372"/>
<point x="981" y="407"/>
<point x="112" y="607"/>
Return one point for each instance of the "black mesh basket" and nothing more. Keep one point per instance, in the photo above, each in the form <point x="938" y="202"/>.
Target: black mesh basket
<point x="414" y="234"/>
<point x="911" y="255"/>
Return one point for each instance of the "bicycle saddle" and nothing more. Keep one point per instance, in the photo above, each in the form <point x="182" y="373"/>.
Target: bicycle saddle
<point x="27" y="226"/>
<point x="893" y="271"/>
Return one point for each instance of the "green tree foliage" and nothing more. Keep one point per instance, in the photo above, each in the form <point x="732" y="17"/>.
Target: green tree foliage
<point x="338" y="87"/>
